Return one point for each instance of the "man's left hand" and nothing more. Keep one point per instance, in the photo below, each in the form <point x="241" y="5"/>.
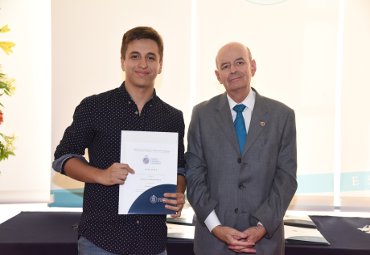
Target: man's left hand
<point x="174" y="202"/>
<point x="253" y="234"/>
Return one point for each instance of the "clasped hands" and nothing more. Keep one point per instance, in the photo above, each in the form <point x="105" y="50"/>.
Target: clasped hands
<point x="117" y="173"/>
<point x="240" y="242"/>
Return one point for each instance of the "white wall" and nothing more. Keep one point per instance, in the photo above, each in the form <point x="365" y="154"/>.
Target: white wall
<point x="27" y="114"/>
<point x="311" y="54"/>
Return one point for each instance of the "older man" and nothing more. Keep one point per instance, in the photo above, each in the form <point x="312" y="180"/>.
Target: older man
<point x="241" y="163"/>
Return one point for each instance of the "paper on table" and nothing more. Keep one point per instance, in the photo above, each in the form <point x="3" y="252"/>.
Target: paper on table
<point x="180" y="231"/>
<point x="304" y="235"/>
<point x="153" y="156"/>
<point x="304" y="232"/>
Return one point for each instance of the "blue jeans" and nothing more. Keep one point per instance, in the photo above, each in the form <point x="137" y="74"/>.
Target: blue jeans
<point x="85" y="247"/>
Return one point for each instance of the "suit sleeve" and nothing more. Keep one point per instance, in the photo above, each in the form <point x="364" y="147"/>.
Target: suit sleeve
<point x="272" y="210"/>
<point x="196" y="171"/>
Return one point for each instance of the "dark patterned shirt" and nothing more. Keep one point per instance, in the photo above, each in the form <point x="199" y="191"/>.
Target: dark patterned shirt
<point x="97" y="124"/>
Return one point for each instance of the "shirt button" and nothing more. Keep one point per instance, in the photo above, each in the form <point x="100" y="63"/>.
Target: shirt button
<point x="239" y="160"/>
<point x="236" y="210"/>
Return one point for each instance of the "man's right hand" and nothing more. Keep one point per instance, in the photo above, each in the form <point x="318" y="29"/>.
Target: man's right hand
<point x="115" y="174"/>
<point x="79" y="170"/>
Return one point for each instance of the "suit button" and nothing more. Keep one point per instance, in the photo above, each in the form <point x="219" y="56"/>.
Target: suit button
<point x="236" y="210"/>
<point x="239" y="160"/>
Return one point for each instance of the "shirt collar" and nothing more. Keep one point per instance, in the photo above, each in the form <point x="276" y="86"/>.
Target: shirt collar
<point x="127" y="96"/>
<point x="248" y="101"/>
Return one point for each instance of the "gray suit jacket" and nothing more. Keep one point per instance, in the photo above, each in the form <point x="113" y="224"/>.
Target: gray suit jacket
<point x="242" y="189"/>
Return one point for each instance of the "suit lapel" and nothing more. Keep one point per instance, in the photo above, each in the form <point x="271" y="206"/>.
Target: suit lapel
<point x="260" y="119"/>
<point x="225" y="121"/>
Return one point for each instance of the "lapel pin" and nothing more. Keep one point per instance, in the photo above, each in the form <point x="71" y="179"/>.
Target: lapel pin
<point x="262" y="123"/>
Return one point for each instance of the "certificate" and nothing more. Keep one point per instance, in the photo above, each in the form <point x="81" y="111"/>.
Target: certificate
<point x="153" y="156"/>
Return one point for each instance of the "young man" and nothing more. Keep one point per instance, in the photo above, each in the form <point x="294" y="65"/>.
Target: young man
<point x="241" y="163"/>
<point x="97" y="125"/>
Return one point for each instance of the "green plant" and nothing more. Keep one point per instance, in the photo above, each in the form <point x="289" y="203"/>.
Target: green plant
<point x="6" y="88"/>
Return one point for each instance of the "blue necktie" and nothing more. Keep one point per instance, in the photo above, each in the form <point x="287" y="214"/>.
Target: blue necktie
<point x="239" y="125"/>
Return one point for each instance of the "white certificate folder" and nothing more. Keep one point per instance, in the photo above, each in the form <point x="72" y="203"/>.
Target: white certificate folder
<point x="153" y="156"/>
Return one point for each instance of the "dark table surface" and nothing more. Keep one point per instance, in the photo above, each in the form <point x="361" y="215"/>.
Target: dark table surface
<point x="344" y="234"/>
<point x="55" y="233"/>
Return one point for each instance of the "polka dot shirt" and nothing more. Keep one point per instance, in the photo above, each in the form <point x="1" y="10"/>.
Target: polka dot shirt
<point x="97" y="124"/>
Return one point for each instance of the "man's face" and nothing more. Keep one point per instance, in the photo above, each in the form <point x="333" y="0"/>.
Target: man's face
<point x="235" y="68"/>
<point x="142" y="63"/>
